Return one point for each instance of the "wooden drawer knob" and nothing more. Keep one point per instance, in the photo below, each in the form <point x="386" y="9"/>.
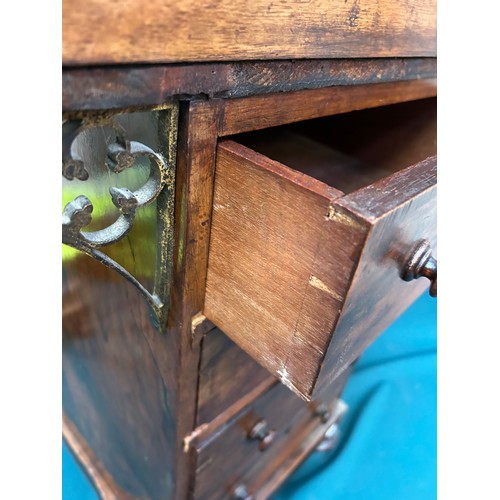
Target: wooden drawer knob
<point x="241" y="493"/>
<point x="262" y="433"/>
<point x="420" y="262"/>
<point x="323" y="412"/>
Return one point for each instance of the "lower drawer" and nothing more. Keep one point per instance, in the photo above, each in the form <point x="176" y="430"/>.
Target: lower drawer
<point x="252" y="450"/>
<point x="226" y="375"/>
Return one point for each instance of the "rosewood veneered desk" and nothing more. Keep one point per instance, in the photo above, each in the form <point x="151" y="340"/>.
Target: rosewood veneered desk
<point x="249" y="201"/>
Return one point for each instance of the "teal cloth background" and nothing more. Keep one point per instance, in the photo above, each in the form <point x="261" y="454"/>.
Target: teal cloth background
<point x="387" y="450"/>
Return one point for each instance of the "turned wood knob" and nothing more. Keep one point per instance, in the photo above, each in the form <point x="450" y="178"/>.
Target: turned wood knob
<point x="262" y="433"/>
<point x="241" y="493"/>
<point x="420" y="262"/>
<point x="322" y="411"/>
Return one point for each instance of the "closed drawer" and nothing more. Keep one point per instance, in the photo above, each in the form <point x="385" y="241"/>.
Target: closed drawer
<point x="234" y="456"/>
<point x="226" y="375"/>
<point x="305" y="263"/>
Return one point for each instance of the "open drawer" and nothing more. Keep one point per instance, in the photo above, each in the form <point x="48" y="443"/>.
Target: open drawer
<point x="314" y="227"/>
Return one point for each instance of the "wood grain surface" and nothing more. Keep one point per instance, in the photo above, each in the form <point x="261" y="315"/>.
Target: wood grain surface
<point x="299" y="446"/>
<point x="129" y="390"/>
<point x="194" y="185"/>
<point x="92" y="467"/>
<point x="226" y="375"/>
<point x="259" y="112"/>
<point x="113" y="393"/>
<point x="92" y="88"/>
<point x="228" y="458"/>
<point x="400" y="210"/>
<point x="284" y="246"/>
<point x="116" y="395"/>
<point x="373" y="143"/>
<point x="269" y="264"/>
<point x="352" y="150"/>
<point x="132" y="395"/>
<point x="104" y="32"/>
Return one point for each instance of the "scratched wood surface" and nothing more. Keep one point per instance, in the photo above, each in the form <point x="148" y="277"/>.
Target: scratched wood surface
<point x="104" y="32"/>
<point x="112" y="392"/>
<point x="141" y="85"/>
<point x="226" y="374"/>
<point x="283" y="250"/>
<point x="269" y="286"/>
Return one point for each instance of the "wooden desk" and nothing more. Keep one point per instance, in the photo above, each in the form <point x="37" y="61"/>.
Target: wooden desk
<point x="272" y="206"/>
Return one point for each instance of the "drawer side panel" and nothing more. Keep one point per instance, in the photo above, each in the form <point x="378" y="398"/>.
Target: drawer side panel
<point x="273" y="285"/>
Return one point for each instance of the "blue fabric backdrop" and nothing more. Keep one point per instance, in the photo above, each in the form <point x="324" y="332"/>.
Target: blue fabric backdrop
<point x="387" y="450"/>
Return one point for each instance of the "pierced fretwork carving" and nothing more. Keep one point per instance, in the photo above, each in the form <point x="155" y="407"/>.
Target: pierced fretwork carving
<point x="122" y="154"/>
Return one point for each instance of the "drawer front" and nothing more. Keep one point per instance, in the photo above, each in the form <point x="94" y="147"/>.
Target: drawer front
<point x="226" y="375"/>
<point x="230" y="457"/>
<point x="303" y="277"/>
<point x="399" y="212"/>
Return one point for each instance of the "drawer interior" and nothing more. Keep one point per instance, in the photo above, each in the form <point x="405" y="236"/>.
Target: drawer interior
<point x="352" y="150"/>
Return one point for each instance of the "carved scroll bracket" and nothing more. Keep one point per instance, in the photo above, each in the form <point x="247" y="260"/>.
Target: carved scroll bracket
<point x="123" y="154"/>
